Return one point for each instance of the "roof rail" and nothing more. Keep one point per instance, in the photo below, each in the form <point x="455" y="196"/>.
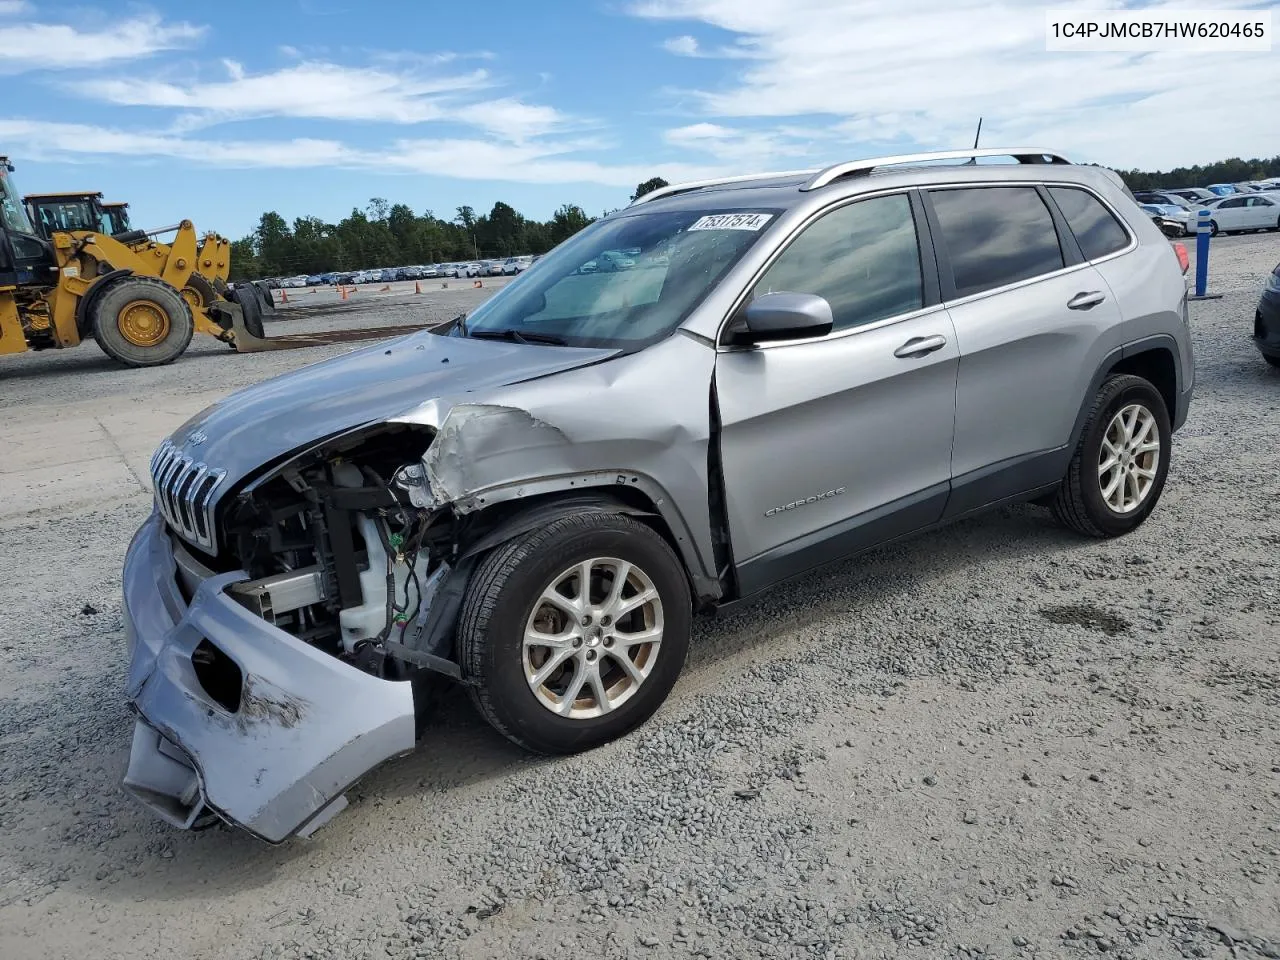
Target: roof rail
<point x="675" y="188"/>
<point x="854" y="167"/>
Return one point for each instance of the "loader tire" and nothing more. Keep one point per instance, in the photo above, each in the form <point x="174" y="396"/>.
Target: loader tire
<point x="142" y="322"/>
<point x="198" y="292"/>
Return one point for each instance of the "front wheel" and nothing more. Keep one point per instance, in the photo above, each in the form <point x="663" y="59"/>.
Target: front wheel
<point x="572" y="635"/>
<point x="1119" y="466"/>
<point x="142" y="322"/>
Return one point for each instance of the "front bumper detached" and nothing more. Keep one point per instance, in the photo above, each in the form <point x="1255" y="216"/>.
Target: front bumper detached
<point x="271" y="738"/>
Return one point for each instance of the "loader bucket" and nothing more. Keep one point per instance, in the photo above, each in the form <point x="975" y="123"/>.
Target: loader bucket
<point x="247" y="304"/>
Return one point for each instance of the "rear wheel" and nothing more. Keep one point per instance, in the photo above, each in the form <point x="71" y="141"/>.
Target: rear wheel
<point x="574" y="634"/>
<point x="198" y="292"/>
<point x="1213" y="228"/>
<point x="1119" y="467"/>
<point x="142" y="322"/>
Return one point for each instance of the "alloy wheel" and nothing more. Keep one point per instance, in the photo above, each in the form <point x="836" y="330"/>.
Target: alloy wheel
<point x="592" y="638"/>
<point x="1129" y="458"/>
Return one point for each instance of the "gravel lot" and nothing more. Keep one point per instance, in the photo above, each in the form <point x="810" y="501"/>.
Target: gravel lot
<point x="995" y="741"/>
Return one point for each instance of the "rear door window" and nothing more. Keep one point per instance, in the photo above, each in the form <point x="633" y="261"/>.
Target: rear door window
<point x="1094" y="226"/>
<point x="996" y="236"/>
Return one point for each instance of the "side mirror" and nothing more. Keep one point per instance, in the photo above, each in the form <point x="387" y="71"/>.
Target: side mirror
<point x="783" y="316"/>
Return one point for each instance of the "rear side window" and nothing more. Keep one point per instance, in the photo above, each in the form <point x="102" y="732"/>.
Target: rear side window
<point x="996" y="235"/>
<point x="863" y="258"/>
<point x="1095" y="228"/>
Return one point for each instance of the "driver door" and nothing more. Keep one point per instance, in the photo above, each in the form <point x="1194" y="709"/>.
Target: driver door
<point x="832" y="444"/>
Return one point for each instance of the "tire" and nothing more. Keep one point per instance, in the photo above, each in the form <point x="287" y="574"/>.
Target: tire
<point x="142" y="322"/>
<point x="198" y="292"/>
<point x="1080" y="502"/>
<point x="1213" y="228"/>
<point x="503" y="601"/>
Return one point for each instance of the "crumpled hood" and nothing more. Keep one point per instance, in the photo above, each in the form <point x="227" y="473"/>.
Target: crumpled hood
<point x="277" y="416"/>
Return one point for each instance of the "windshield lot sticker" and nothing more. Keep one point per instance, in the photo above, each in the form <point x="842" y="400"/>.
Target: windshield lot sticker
<point x="732" y="221"/>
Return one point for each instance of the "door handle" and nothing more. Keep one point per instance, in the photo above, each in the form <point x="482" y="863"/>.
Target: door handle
<point x="1086" y="301"/>
<point x="919" y="346"/>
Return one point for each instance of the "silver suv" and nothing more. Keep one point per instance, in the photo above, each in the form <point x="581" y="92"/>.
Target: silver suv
<point x="772" y="372"/>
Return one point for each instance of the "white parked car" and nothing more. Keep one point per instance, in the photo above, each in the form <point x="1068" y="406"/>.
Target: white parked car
<point x="1254" y="211"/>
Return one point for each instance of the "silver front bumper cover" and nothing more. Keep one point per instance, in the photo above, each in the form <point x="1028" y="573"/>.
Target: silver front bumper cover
<point x="308" y="725"/>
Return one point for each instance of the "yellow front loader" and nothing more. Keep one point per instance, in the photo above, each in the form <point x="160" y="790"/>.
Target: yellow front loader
<point x="67" y="273"/>
<point x="65" y="280"/>
<point x="70" y="212"/>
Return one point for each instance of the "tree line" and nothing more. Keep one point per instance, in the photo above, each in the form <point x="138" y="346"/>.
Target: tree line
<point x="392" y="235"/>
<point x="1234" y="170"/>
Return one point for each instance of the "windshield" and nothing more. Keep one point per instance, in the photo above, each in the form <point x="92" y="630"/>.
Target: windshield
<point x="68" y="215"/>
<point x="12" y="213"/>
<point x="623" y="282"/>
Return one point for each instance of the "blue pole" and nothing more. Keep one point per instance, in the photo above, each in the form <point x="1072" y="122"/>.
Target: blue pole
<point x="1202" y="252"/>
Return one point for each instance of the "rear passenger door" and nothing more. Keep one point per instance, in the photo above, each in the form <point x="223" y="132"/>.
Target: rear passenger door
<point x="1030" y="314"/>
<point x="1264" y="213"/>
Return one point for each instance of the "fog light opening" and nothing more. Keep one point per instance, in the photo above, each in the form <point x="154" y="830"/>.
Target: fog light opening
<point x="219" y="675"/>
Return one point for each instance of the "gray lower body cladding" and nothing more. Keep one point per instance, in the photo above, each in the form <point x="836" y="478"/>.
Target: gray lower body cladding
<point x="275" y="757"/>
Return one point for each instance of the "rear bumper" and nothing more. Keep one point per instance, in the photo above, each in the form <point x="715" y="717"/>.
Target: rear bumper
<point x="306" y="726"/>
<point x="1266" y="325"/>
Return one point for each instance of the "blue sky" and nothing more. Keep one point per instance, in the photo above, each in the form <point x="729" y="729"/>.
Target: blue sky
<point x="218" y="112"/>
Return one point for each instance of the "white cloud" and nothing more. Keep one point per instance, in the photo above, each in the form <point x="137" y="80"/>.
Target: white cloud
<point x="27" y="46"/>
<point x="312" y="89"/>
<point x="924" y="76"/>
<point x="542" y="163"/>
<point x="319" y="90"/>
<point x="742" y="150"/>
<point x="687" y="46"/>
<point x="10" y="7"/>
<point x="682" y="46"/>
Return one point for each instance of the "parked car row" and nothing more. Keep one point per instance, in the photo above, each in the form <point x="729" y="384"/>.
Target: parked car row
<point x="1176" y="211"/>
<point x="463" y="269"/>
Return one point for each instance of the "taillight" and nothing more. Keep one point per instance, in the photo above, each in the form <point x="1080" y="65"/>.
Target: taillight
<point x="1184" y="261"/>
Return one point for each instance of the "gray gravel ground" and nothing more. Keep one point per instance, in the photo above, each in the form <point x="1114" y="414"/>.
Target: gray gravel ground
<point x="995" y="741"/>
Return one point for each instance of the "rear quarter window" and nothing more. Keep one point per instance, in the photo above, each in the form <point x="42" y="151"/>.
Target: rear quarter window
<point x="1095" y="228"/>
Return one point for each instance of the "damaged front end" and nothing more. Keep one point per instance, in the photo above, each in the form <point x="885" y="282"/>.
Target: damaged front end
<point x="272" y="666"/>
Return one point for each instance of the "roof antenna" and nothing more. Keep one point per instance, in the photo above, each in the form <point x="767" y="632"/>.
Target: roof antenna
<point x="973" y="161"/>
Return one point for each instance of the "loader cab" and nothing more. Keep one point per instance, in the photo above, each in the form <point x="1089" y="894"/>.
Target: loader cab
<point x="25" y="258"/>
<point x="64" y="212"/>
<point x="117" y="217"/>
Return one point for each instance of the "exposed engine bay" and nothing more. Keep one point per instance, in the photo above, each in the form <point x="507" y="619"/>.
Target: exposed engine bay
<point x="338" y="553"/>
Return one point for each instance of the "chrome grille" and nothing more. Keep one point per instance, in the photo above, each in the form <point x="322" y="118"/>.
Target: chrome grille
<point x="184" y="491"/>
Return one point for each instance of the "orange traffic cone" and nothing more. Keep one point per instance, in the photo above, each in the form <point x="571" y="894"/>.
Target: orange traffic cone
<point x="417" y="287"/>
<point x="479" y="282"/>
<point x="342" y="292"/>
<point x="284" y="295"/>
<point x="385" y="288"/>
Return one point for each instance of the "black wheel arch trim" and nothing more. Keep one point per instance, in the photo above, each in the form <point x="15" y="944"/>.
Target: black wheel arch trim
<point x="85" y="304"/>
<point x="597" y="487"/>
<point x="1159" y="341"/>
